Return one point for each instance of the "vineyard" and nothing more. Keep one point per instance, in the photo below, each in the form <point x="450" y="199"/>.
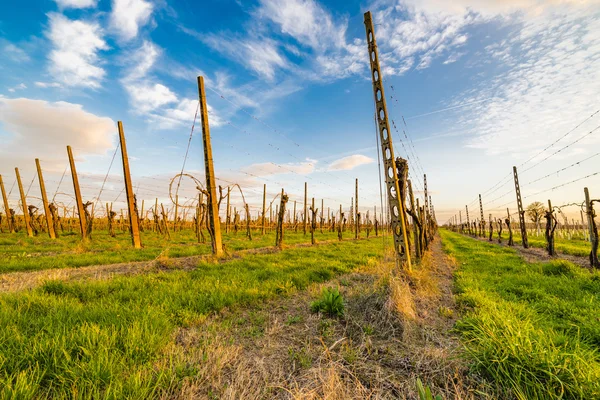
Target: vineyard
<point x="188" y="284"/>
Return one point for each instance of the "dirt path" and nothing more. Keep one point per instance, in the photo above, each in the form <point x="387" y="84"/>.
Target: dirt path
<point x="17" y="281"/>
<point x="394" y="331"/>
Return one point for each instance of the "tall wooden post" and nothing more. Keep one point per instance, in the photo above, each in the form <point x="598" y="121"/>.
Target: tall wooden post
<point x="521" y="211"/>
<point x="24" y="205"/>
<point x="322" y="220"/>
<point x="134" y="226"/>
<point x="49" y="222"/>
<point x="305" y="207"/>
<point x="11" y="228"/>
<point x="78" y="201"/>
<point x="228" y="213"/>
<point x="264" y="208"/>
<point x="387" y="150"/>
<point x="176" y="211"/>
<point x="213" y="209"/>
<point x="357" y="222"/>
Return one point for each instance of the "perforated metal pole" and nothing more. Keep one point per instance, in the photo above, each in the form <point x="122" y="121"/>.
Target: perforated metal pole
<point x="11" y="228"/>
<point x="24" y="205"/>
<point x="521" y="211"/>
<point x="468" y="222"/>
<point x="387" y="151"/>
<point x="213" y="209"/>
<point x="482" y="218"/>
<point x="49" y="223"/>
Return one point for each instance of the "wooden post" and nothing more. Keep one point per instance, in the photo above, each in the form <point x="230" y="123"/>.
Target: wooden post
<point x="78" y="201"/>
<point x="521" y="211"/>
<point x="176" y="210"/>
<point x="357" y="222"/>
<point x="264" y="208"/>
<point x="588" y="211"/>
<point x="305" y="205"/>
<point x="213" y="209"/>
<point x="49" y="223"/>
<point x="134" y="226"/>
<point x="322" y="220"/>
<point x="11" y="228"/>
<point x="228" y="212"/>
<point x="415" y="216"/>
<point x="24" y="205"/>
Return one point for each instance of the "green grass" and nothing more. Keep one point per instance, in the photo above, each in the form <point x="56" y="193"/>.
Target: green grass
<point x="115" y="339"/>
<point x="21" y="253"/>
<point x="574" y="247"/>
<point x="532" y="328"/>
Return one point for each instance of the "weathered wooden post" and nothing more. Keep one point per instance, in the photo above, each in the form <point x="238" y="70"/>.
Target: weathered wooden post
<point x="176" y="213"/>
<point x="78" y="201"/>
<point x="550" y="227"/>
<point x="11" y="227"/>
<point x="24" y="205"/>
<point x="281" y="213"/>
<point x="213" y="210"/>
<point x="322" y="219"/>
<point x="392" y="189"/>
<point x="357" y="222"/>
<point x="48" y="216"/>
<point x="593" y="229"/>
<point x="228" y="213"/>
<point x="264" y="208"/>
<point x="313" y="221"/>
<point x="414" y="213"/>
<point x="520" y="210"/>
<point x="305" y="207"/>
<point x="134" y="226"/>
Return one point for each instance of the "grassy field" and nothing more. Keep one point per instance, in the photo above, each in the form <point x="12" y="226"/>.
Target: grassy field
<point x="532" y="328"/>
<point x="21" y="253"/>
<point x="574" y="247"/>
<point x="116" y="339"/>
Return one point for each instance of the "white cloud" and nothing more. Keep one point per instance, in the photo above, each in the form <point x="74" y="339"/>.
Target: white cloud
<point x="48" y="84"/>
<point x="128" y="16"/>
<point x="56" y="125"/>
<point x="76" y="3"/>
<point x="260" y="54"/>
<point x="149" y="97"/>
<point x="182" y="114"/>
<point x="14" y="53"/>
<point x="74" y="56"/>
<point x="270" y="168"/>
<point x="350" y="162"/>
<point x="20" y="86"/>
<point x="305" y="20"/>
<point x="551" y="83"/>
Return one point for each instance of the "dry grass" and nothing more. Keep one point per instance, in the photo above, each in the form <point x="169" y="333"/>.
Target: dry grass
<point x="392" y="333"/>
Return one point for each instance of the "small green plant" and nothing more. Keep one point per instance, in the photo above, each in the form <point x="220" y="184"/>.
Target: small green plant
<point x="331" y="303"/>
<point x="302" y="357"/>
<point x="368" y="330"/>
<point x="425" y="392"/>
<point x="445" y="312"/>
<point x="293" y="319"/>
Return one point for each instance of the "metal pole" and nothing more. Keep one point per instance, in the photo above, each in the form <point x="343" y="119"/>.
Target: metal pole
<point x="521" y="212"/>
<point x="391" y="175"/>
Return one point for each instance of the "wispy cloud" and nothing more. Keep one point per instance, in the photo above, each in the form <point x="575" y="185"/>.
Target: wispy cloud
<point x="350" y="162"/>
<point x="74" y="58"/>
<point x="128" y="16"/>
<point x="270" y="168"/>
<point x="76" y="3"/>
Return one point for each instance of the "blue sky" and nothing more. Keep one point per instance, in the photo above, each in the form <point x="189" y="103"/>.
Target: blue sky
<point x="482" y="85"/>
